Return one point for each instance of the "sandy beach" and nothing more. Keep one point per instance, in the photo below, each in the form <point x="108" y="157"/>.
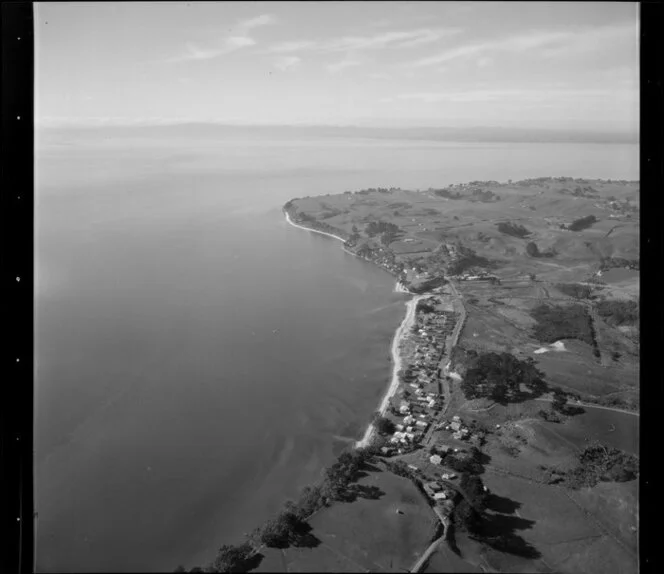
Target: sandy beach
<point x="401" y="331"/>
<point x="314" y="230"/>
<point x="406" y="324"/>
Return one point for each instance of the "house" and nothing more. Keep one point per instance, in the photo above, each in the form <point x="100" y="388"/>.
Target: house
<point x="456" y="418"/>
<point x="434" y="486"/>
<point x="399" y="427"/>
<point x="409" y="420"/>
<point x="435" y="459"/>
<point x="455" y="426"/>
<point x="409" y="429"/>
<point x="422" y="424"/>
<point x="440" y="496"/>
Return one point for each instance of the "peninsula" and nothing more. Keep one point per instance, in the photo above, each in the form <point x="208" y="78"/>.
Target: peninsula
<point x="507" y="437"/>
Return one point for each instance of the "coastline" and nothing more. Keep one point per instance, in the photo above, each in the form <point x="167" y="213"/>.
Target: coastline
<point x="313" y="230"/>
<point x="406" y="324"/>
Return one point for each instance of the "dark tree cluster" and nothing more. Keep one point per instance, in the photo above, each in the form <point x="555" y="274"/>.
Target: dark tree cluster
<point x="499" y="376"/>
<point x="599" y="463"/>
<point x="575" y="290"/>
<point x="582" y="223"/>
<point x="447" y="194"/>
<point x="470" y="463"/>
<point x="513" y="229"/>
<point x="468" y="259"/>
<point x="556" y="322"/>
<point x="424" y="307"/>
<point x="533" y="251"/>
<point x="381" y="227"/>
<point x="429" y="284"/>
<point x="618" y="312"/>
<point x="384" y="425"/>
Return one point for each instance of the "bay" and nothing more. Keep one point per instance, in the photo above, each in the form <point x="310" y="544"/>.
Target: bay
<point x="198" y="360"/>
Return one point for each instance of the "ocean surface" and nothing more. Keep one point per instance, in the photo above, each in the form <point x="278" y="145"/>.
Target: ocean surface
<point x="198" y="360"/>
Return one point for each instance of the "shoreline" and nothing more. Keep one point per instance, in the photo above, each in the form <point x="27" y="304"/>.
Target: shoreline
<point x="402" y="329"/>
<point x="398" y="287"/>
<point x="406" y="324"/>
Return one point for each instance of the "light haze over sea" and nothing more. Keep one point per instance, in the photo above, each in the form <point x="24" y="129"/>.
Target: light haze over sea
<point x="198" y="359"/>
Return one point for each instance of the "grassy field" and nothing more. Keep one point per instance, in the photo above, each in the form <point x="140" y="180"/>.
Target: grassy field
<point x="548" y="531"/>
<point x="364" y="535"/>
<point x="543" y="528"/>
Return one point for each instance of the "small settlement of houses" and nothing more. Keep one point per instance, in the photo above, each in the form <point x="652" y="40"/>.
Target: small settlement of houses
<point x="416" y="409"/>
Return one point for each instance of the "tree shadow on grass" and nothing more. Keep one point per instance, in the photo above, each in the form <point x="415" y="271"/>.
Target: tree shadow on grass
<point x="499" y="531"/>
<point x="501" y="504"/>
<point x="302" y="537"/>
<point x="252" y="563"/>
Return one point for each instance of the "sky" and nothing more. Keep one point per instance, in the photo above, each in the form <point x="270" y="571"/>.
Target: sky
<point x="562" y="65"/>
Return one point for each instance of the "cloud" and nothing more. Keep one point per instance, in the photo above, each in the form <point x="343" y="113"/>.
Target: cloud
<point x="342" y="65"/>
<point x="237" y="40"/>
<point x="398" y="39"/>
<point x="548" y="42"/>
<point x="257" y="22"/>
<point x="287" y="62"/>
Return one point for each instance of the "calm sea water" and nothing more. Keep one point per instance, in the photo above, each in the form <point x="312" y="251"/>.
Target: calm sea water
<point x="198" y="360"/>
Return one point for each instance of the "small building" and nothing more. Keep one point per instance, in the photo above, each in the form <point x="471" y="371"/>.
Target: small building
<point x="399" y="427"/>
<point x="455" y="426"/>
<point x="434" y="486"/>
<point x="435" y="459"/>
<point x="440" y="496"/>
<point x="456" y="418"/>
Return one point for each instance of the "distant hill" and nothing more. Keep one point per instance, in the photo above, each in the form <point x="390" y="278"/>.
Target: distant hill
<point x="431" y="134"/>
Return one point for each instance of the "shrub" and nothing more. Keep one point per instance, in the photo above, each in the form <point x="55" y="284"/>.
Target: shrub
<point x="582" y="223"/>
<point x="513" y="229"/>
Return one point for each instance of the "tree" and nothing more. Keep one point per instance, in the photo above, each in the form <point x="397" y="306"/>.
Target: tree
<point x="179" y="568"/>
<point x="384" y="425"/>
<point x="232" y="558"/>
<point x="279" y="531"/>
<point x="473" y="486"/>
<point x="532" y="249"/>
<point x="559" y="401"/>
